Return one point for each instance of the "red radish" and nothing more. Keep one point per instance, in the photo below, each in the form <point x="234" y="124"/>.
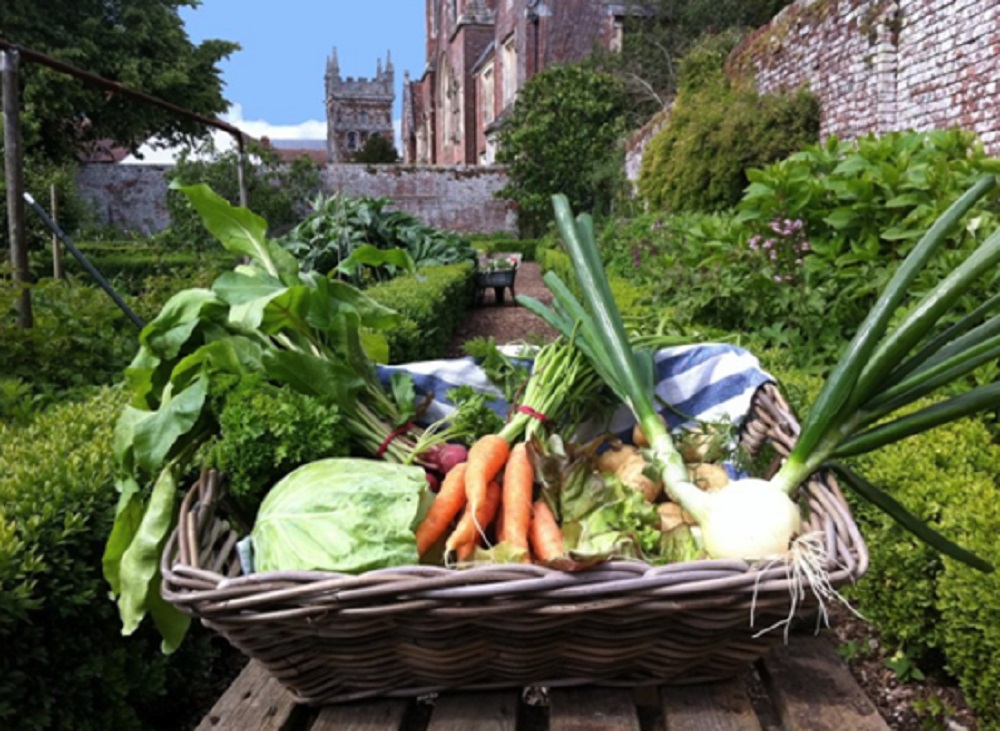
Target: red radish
<point x="443" y="457"/>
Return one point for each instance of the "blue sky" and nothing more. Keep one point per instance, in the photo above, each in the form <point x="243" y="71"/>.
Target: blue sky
<point x="275" y="82"/>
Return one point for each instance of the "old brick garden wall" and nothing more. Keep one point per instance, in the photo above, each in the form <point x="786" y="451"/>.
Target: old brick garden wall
<point x="885" y="65"/>
<point x="133" y="197"/>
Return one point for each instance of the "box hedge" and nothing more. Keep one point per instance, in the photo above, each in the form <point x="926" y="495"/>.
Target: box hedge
<point x="525" y="247"/>
<point x="942" y="614"/>
<point x="432" y="306"/>
<point x="64" y="663"/>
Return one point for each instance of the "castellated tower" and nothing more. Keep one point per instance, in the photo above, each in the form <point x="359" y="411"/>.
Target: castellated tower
<point x="356" y="109"/>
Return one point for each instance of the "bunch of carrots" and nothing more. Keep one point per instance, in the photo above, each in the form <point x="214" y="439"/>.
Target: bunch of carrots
<point x="494" y="488"/>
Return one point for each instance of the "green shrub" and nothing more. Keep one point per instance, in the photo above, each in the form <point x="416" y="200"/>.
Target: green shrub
<point x="525" y="247"/>
<point x="562" y="137"/>
<point x="64" y="663"/>
<point x="432" y="308"/>
<point x="717" y="131"/>
<point x="339" y="224"/>
<point x="39" y="177"/>
<point x="943" y="613"/>
<point x="128" y="266"/>
<point x="276" y="191"/>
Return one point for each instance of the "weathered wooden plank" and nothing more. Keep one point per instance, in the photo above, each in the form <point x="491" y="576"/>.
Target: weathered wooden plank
<point x="592" y="709"/>
<point x="254" y="700"/>
<point x="722" y="706"/>
<point x="478" y="711"/>
<point x="383" y="714"/>
<point x="813" y="690"/>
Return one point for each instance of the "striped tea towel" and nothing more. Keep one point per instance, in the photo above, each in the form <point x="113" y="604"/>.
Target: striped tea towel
<point x="705" y="382"/>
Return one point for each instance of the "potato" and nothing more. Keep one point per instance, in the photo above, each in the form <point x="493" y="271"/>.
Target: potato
<point x="708" y="476"/>
<point x="631" y="474"/>
<point x="611" y="459"/>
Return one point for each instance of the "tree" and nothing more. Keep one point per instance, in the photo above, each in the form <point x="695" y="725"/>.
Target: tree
<point x="656" y="34"/>
<point x="563" y="137"/>
<point x="377" y="149"/>
<point x="139" y="43"/>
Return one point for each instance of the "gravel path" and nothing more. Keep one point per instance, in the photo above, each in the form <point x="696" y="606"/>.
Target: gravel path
<point x="507" y="322"/>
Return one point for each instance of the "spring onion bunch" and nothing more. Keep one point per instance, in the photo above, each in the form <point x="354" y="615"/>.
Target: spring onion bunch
<point x="880" y="372"/>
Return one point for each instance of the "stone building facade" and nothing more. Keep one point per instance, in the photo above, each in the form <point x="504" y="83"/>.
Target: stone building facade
<point x="357" y="109"/>
<point x="879" y="66"/>
<point x="479" y="53"/>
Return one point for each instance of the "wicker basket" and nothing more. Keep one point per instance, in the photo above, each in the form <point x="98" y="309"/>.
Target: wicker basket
<point x="408" y="631"/>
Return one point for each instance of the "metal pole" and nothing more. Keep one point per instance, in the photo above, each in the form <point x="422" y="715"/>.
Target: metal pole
<point x="85" y="262"/>
<point x="57" y="265"/>
<point x="14" y="166"/>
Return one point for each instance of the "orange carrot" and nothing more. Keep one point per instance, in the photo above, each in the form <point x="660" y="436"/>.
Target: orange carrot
<point x="486" y="458"/>
<point x="447" y="504"/>
<point x="518" y="481"/>
<point x="464" y="539"/>
<point x="545" y="534"/>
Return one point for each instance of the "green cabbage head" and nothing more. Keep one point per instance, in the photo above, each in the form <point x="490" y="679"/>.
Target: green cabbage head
<point x="343" y="514"/>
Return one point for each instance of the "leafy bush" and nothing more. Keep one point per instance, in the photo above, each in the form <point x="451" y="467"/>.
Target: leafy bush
<point x="525" y="247"/>
<point x="376" y="150"/>
<point x="563" y="136"/>
<point x="718" y="130"/>
<point x="39" y="177"/>
<point x="927" y="604"/>
<point x="65" y="664"/>
<point x="432" y="306"/>
<point x="339" y="224"/>
<point x="275" y="190"/>
<point x="129" y="266"/>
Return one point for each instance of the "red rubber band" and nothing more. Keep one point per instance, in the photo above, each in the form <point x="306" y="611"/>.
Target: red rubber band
<point x="533" y="414"/>
<point x="392" y="435"/>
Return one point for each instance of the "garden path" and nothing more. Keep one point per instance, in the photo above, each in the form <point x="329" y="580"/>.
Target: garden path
<point x="507" y="322"/>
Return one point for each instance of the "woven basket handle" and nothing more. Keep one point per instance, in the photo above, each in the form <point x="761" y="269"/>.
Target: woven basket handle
<point x="195" y="516"/>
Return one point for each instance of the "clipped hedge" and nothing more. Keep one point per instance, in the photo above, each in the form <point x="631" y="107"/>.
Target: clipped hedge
<point x="935" y="608"/>
<point x="432" y="308"/>
<point x="942" y="614"/>
<point x="128" y="266"/>
<point x="64" y="663"/>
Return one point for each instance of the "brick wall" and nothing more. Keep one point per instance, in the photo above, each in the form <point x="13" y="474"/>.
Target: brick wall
<point x="133" y="197"/>
<point x="885" y="65"/>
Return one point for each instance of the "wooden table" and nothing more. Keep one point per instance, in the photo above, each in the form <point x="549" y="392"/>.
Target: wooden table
<point x="802" y="687"/>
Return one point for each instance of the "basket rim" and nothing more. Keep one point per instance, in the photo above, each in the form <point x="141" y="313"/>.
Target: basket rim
<point x="200" y="564"/>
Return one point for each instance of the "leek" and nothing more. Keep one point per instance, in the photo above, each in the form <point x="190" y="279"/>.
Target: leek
<point x="879" y="373"/>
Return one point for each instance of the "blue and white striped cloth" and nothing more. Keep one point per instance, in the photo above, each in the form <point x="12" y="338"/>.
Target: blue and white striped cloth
<point x="708" y="382"/>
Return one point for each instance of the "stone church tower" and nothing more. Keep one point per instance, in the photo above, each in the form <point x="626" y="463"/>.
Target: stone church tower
<point x="356" y="109"/>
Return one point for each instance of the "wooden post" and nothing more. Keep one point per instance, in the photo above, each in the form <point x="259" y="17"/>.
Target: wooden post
<point x="57" y="266"/>
<point x="241" y="175"/>
<point x="14" y="163"/>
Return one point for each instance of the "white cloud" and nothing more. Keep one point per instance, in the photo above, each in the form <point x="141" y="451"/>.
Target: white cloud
<point x="312" y="129"/>
<point x="257" y="128"/>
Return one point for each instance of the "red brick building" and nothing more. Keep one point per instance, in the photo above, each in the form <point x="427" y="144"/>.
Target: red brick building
<point x="479" y="53"/>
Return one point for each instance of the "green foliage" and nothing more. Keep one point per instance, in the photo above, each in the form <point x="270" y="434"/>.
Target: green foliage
<point x="920" y="601"/>
<point x="65" y="665"/>
<point x="432" y="306"/>
<point x="266" y="431"/>
<point x="80" y="337"/>
<point x="657" y="34"/>
<point x="340" y="224"/>
<point x="140" y="43"/>
<point x="525" y="247"/>
<point x="376" y="150"/>
<point x="563" y="136"/>
<point x="39" y="177"/>
<point x="716" y="131"/>
<point x="277" y="191"/>
<point x="130" y="266"/>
